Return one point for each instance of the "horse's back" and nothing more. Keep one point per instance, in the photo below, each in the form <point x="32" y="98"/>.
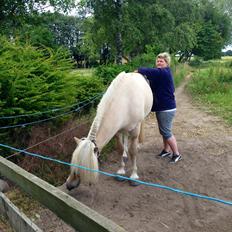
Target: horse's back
<point x="135" y="92"/>
<point x="132" y="100"/>
<point x="125" y="104"/>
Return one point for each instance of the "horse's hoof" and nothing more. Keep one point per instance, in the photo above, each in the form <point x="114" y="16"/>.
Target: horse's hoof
<point x="134" y="183"/>
<point x="119" y="177"/>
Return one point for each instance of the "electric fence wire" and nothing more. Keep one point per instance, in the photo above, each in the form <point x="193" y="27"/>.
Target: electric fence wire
<point x="47" y="119"/>
<point x="48" y="139"/>
<point x="179" y="191"/>
<point x="49" y="111"/>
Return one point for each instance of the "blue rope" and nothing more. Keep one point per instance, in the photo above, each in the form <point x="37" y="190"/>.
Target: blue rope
<point x="122" y="177"/>
<point x="47" y="119"/>
<point x="49" y="111"/>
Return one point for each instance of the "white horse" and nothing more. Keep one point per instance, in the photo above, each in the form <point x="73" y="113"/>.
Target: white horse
<point x="123" y="107"/>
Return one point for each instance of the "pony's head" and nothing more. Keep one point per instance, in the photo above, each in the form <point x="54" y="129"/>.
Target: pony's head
<point x="84" y="163"/>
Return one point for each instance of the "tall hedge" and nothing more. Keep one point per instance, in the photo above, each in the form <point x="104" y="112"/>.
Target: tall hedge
<point x="33" y="79"/>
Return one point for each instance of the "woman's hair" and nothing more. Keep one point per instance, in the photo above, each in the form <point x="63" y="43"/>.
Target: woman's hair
<point x="165" y="56"/>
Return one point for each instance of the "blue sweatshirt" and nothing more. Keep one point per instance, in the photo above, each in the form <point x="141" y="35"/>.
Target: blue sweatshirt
<point x="162" y="85"/>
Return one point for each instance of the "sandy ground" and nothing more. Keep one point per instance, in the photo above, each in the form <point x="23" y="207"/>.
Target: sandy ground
<point x="205" y="143"/>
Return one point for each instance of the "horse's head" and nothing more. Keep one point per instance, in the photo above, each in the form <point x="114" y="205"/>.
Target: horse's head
<point x="84" y="163"/>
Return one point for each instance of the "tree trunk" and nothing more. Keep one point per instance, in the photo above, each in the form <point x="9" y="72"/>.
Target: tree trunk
<point x="119" y="53"/>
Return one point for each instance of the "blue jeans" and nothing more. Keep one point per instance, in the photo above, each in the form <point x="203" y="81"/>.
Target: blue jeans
<point x="165" y="119"/>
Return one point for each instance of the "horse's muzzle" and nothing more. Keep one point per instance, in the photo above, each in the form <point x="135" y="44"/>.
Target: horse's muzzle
<point x="72" y="185"/>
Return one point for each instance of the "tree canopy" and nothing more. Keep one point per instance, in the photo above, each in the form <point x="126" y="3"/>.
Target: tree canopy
<point x="186" y="27"/>
<point x="126" y="27"/>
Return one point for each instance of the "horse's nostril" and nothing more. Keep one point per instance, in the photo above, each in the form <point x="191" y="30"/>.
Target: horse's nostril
<point x="78" y="182"/>
<point x="69" y="187"/>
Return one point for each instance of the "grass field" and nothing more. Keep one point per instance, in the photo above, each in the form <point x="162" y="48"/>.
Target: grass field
<point x="212" y="86"/>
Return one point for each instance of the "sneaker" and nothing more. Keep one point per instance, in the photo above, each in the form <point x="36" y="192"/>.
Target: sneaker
<point x="175" y="158"/>
<point x="164" y="154"/>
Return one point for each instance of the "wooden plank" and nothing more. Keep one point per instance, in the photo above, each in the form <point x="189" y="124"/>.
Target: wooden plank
<point x="73" y="212"/>
<point x="18" y="220"/>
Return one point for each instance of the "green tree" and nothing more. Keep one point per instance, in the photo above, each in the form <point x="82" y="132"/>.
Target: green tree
<point x="127" y="26"/>
<point x="61" y="30"/>
<point x="224" y="5"/>
<point x="209" y="43"/>
<point x="183" y="40"/>
<point x="53" y="30"/>
<point x="13" y="13"/>
<point x="108" y="23"/>
<point x="214" y="32"/>
<point x="144" y="26"/>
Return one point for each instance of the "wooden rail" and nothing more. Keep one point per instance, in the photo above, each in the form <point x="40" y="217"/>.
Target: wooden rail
<point x="74" y="213"/>
<point x="18" y="220"/>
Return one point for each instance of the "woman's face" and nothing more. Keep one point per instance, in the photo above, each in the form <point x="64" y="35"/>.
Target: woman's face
<point x="161" y="63"/>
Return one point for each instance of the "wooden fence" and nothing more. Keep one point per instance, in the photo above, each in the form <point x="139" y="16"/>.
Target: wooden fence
<point x="74" y="213"/>
<point x="18" y="220"/>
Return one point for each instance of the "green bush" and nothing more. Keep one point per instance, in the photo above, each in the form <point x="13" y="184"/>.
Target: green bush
<point x="86" y="88"/>
<point x="144" y="60"/>
<point x="205" y="82"/>
<point x="196" y="61"/>
<point x="33" y="80"/>
<point x="108" y="72"/>
<point x="228" y="64"/>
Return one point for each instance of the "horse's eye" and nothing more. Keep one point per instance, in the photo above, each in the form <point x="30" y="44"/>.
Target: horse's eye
<point x="96" y="150"/>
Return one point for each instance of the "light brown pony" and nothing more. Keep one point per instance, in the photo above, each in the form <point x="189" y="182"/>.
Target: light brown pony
<point x="126" y="103"/>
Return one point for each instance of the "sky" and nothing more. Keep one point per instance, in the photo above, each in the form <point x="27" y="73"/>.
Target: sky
<point x="227" y="48"/>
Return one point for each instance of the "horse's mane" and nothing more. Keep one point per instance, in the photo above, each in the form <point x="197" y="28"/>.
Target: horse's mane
<point x="84" y="156"/>
<point x="105" y="101"/>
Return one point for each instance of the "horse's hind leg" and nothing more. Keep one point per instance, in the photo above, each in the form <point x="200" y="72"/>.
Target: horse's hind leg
<point x="122" y="141"/>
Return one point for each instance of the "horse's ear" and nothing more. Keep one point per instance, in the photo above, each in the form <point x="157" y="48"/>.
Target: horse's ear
<point x="77" y="140"/>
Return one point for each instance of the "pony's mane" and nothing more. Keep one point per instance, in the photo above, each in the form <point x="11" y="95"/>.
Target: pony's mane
<point x="105" y="101"/>
<point x="85" y="157"/>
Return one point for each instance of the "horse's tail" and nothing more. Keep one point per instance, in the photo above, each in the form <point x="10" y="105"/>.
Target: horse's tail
<point x="86" y="163"/>
<point x="141" y="134"/>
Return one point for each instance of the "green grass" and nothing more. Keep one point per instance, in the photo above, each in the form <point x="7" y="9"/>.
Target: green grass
<point x="227" y="58"/>
<point x="212" y="86"/>
<point x="180" y="72"/>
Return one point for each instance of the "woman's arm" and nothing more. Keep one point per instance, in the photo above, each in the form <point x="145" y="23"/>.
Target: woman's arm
<point x="149" y="72"/>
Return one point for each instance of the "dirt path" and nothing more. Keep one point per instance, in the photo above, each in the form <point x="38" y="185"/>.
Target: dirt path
<point x="206" y="145"/>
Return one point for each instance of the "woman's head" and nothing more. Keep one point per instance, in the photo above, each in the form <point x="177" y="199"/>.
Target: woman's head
<point x="163" y="60"/>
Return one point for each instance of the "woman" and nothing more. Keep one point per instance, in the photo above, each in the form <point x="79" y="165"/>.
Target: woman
<point x="164" y="104"/>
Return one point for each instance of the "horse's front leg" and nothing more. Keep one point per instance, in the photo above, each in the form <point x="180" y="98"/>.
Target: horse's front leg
<point x="122" y="141"/>
<point x="133" y="151"/>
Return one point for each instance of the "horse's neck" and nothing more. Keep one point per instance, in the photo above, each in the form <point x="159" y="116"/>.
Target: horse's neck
<point x="105" y="124"/>
<point x="102" y="131"/>
<point x="106" y="132"/>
